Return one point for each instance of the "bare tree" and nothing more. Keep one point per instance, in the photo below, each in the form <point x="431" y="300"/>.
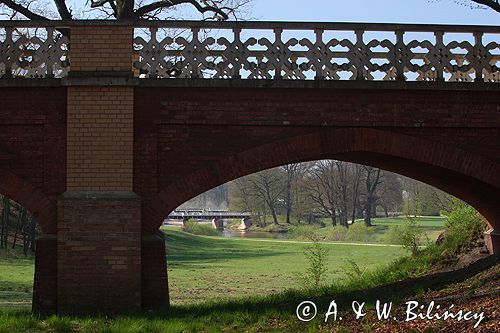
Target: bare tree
<point x="321" y="188"/>
<point x="292" y="173"/>
<point x="356" y="181"/>
<point x="16" y="222"/>
<point x="268" y="185"/>
<point x="343" y="188"/>
<point x="120" y="9"/>
<point x="390" y="193"/>
<point x="372" y="181"/>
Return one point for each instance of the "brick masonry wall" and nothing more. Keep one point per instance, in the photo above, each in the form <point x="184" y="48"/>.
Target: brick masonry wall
<point x="33" y="149"/>
<point x="45" y="281"/>
<point x="99" y="253"/>
<point x="154" y="271"/>
<point x="101" y="49"/>
<point x="100" y="139"/>
<point x="190" y="140"/>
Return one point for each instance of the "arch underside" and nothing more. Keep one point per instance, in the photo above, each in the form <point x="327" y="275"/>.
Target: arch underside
<point x="24" y="193"/>
<point x="464" y="174"/>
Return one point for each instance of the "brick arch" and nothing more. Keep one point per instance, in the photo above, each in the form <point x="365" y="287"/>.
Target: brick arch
<point x="464" y="174"/>
<point x="31" y="198"/>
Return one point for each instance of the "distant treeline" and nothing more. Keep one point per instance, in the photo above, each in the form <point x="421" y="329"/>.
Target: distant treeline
<point x="340" y="191"/>
<point x="18" y="227"/>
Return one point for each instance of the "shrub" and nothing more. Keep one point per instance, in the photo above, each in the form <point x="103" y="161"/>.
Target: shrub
<point x="337" y="234"/>
<point x="352" y="270"/>
<point x="411" y="236"/>
<point x="316" y="255"/>
<point x="302" y="232"/>
<point x="464" y="225"/>
<point x="359" y="232"/>
<point x="393" y="235"/>
<point x="275" y="228"/>
<point x="194" y="227"/>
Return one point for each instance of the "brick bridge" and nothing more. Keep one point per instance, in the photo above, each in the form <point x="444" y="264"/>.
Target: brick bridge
<point x="101" y="140"/>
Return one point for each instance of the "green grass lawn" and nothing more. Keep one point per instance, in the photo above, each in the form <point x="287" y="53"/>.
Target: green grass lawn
<point x="204" y="268"/>
<point x="433" y="226"/>
<point x="16" y="280"/>
<point x="424" y="221"/>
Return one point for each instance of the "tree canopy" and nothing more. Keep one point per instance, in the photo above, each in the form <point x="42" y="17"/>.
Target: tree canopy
<point x="118" y="9"/>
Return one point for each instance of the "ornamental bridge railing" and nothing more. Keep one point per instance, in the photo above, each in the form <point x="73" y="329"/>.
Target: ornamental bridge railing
<point x="269" y="50"/>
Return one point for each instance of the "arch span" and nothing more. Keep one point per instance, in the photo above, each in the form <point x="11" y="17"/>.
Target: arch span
<point x="466" y="175"/>
<point x="21" y="191"/>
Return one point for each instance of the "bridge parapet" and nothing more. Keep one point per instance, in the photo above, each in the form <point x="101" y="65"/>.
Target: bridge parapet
<point x="33" y="50"/>
<point x="269" y="50"/>
<point x="318" y="51"/>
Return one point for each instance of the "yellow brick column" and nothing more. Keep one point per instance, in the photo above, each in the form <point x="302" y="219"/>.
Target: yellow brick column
<point x="100" y="118"/>
<point x="100" y="138"/>
<point x="99" y="216"/>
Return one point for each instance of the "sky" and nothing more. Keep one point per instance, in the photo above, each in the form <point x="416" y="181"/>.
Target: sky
<point x="380" y="11"/>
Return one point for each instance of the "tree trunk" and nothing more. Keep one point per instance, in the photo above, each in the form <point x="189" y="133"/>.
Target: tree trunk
<point x="5" y="222"/>
<point x="288" y="203"/>
<point x="368" y="213"/>
<point x="334" y="219"/>
<point x="372" y="181"/>
<point x="273" y="213"/>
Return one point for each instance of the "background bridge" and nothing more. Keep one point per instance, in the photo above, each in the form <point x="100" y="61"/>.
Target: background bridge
<point x="206" y="215"/>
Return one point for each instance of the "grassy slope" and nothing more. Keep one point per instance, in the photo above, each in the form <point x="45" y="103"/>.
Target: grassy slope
<point x="207" y="268"/>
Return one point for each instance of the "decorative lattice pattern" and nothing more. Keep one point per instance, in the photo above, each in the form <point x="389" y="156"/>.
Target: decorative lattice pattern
<point x="279" y="53"/>
<point x="272" y="51"/>
<point x="33" y="53"/>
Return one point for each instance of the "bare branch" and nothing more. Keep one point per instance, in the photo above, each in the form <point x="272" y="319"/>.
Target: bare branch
<point x="493" y="4"/>
<point x="99" y="3"/>
<point x="102" y="3"/>
<point x="22" y="10"/>
<point x="170" y="3"/>
<point x="62" y="8"/>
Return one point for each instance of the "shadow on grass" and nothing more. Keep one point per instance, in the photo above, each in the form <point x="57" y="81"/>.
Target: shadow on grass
<point x="183" y="248"/>
<point x="287" y="302"/>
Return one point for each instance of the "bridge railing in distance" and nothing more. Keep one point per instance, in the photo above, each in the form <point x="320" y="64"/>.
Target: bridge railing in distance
<point x="317" y="51"/>
<point x="269" y="50"/>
